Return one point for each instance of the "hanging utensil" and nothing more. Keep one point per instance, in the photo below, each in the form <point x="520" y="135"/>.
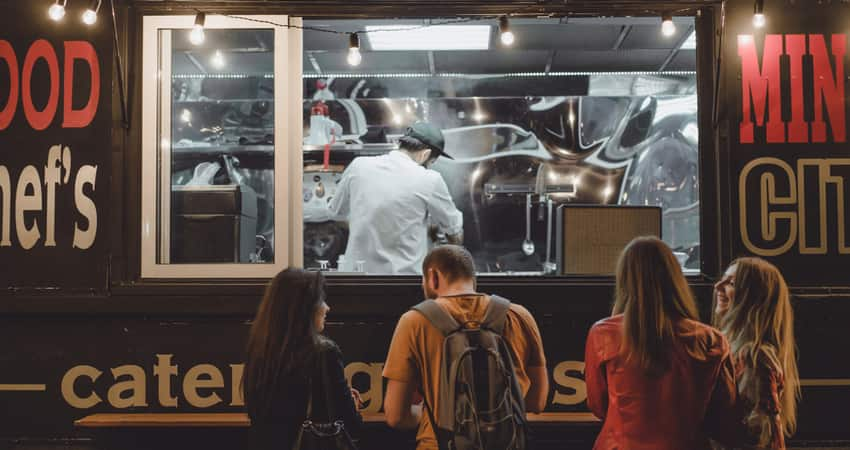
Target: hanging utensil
<point x="528" y="244"/>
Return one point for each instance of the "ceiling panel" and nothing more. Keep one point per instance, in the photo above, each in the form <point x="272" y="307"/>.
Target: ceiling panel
<point x="493" y="61"/>
<point x="650" y="37"/>
<point x="545" y="37"/>
<point x="589" y="61"/>
<point x="684" y="60"/>
<point x="373" y="62"/>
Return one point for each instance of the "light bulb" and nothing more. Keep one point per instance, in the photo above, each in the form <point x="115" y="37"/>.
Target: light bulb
<point x="668" y="28"/>
<point x="758" y="14"/>
<point x="196" y="36"/>
<point x="89" y="17"/>
<point x="90" y="14"/>
<point x="56" y="11"/>
<point x="354" y="56"/>
<point x="505" y="33"/>
<point x="218" y="60"/>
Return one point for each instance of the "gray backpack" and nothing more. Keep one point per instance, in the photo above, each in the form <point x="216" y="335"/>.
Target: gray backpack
<point x="480" y="403"/>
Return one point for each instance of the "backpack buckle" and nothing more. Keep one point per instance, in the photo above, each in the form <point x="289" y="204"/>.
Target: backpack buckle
<point x="472" y="325"/>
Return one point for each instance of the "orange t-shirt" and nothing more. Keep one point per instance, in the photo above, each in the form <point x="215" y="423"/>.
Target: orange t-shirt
<point x="416" y="343"/>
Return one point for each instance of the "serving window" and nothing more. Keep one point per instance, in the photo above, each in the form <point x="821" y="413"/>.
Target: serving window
<point x="591" y="112"/>
<point x="247" y="139"/>
<point x="216" y="159"/>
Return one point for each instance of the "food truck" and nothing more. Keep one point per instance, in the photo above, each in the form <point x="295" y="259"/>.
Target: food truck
<point x="162" y="160"/>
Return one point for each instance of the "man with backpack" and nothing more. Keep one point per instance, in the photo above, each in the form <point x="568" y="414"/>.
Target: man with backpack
<point x="474" y="359"/>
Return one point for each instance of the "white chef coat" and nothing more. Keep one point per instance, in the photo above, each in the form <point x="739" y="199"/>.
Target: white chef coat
<point x="390" y="201"/>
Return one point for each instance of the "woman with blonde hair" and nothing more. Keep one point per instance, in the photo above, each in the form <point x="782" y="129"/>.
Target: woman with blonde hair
<point x="657" y="377"/>
<point x="752" y="308"/>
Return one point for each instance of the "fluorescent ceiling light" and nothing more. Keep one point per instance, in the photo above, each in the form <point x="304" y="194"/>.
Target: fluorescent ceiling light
<point x="690" y="43"/>
<point x="437" y="37"/>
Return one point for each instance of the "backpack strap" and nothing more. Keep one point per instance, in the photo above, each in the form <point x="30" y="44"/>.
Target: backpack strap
<point x="438" y="317"/>
<point x="496" y="314"/>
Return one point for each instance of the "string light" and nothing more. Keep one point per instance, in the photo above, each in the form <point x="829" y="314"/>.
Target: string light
<point x="758" y="14"/>
<point x="505" y="33"/>
<point x="196" y="36"/>
<point x="354" y="56"/>
<point x="668" y="28"/>
<point x="57" y="11"/>
<point x="90" y="14"/>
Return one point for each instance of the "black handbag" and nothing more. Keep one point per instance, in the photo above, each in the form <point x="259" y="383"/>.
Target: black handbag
<point x="314" y="435"/>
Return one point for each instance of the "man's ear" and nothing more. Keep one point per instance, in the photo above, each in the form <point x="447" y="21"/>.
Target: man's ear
<point x="435" y="279"/>
<point x="426" y="154"/>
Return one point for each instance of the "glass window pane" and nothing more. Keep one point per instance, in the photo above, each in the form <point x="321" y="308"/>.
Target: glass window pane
<point x="217" y="126"/>
<point x="574" y="113"/>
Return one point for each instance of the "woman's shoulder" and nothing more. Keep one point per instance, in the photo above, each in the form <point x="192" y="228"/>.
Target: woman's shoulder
<point x="327" y="347"/>
<point x="705" y="337"/>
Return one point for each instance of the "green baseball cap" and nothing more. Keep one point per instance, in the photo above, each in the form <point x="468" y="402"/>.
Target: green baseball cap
<point x="429" y="135"/>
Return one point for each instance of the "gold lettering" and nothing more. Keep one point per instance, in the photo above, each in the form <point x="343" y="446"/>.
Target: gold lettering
<point x="563" y="379"/>
<point x="163" y="371"/>
<point x="70" y="395"/>
<point x="769" y="197"/>
<point x="135" y="385"/>
<point x="237" y="397"/>
<point x="212" y="378"/>
<point x="374" y="397"/>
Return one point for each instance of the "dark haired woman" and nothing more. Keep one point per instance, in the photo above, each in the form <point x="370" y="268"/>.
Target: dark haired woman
<point x="656" y="376"/>
<point x="752" y="308"/>
<point x="288" y="359"/>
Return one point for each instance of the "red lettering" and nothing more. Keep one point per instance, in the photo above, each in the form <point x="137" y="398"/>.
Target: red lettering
<point x="795" y="48"/>
<point x="828" y="87"/>
<point x="80" y="118"/>
<point x="7" y="53"/>
<point x="40" y="49"/>
<point x="759" y="86"/>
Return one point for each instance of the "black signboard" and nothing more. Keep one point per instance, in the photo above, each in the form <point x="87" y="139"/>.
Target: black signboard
<point x="55" y="134"/>
<point x="789" y="158"/>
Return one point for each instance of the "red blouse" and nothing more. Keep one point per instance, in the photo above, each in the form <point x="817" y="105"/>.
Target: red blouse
<point x="679" y="409"/>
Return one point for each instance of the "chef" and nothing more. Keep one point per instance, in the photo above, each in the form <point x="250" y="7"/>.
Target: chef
<point x="390" y="201"/>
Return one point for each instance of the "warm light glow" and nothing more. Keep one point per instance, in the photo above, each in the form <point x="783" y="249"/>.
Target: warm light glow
<point x="89" y="17"/>
<point x="218" y="60"/>
<point x="56" y="12"/>
<point x="758" y="20"/>
<point x="196" y="36"/>
<point x="437" y="37"/>
<point x="507" y="38"/>
<point x="668" y="28"/>
<point x="478" y="116"/>
<point x="354" y="57"/>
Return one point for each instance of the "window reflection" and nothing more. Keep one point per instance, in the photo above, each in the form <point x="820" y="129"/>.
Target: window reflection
<point x="221" y="141"/>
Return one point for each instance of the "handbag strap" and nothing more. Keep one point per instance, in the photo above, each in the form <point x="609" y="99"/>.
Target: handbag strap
<point x="296" y="445"/>
<point x="326" y="382"/>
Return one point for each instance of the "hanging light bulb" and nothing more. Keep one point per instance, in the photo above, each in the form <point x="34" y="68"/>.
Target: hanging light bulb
<point x="57" y="11"/>
<point x="668" y="28"/>
<point x="354" y="56"/>
<point x="196" y="36"/>
<point x="758" y="14"/>
<point x="90" y="14"/>
<point x="505" y="33"/>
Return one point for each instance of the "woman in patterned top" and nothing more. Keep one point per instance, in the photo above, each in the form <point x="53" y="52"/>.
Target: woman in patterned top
<point x="752" y="308"/>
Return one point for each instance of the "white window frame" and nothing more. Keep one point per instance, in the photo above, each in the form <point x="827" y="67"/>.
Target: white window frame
<point x="288" y="163"/>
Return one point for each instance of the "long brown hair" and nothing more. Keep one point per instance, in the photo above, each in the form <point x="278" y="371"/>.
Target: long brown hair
<point x="651" y="294"/>
<point x="760" y="327"/>
<point x="283" y="337"/>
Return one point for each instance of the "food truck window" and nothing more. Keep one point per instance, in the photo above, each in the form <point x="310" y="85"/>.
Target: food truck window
<point x="595" y="111"/>
<point x="215" y="149"/>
